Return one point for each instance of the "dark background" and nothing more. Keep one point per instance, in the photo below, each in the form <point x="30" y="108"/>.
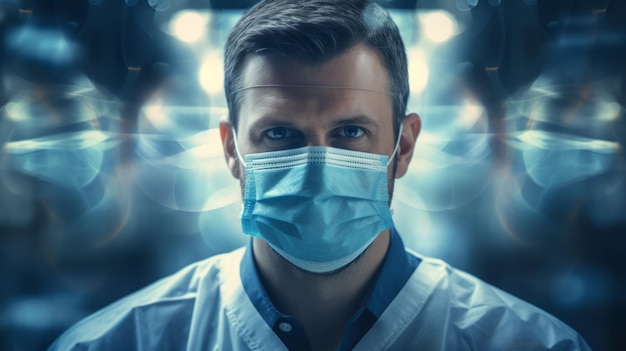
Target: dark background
<point x="111" y="173"/>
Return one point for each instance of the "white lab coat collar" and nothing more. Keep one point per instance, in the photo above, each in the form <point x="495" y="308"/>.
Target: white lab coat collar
<point x="404" y="308"/>
<point x="230" y="322"/>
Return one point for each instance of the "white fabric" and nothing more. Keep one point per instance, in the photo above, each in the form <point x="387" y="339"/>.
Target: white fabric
<point x="204" y="307"/>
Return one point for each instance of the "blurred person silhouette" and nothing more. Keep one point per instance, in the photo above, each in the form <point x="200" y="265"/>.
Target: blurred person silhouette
<point x="317" y="132"/>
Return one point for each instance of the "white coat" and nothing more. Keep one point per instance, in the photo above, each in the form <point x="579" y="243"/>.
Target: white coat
<point x="204" y="307"/>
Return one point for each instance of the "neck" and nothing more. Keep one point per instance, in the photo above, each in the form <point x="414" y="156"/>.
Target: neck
<point x="323" y="303"/>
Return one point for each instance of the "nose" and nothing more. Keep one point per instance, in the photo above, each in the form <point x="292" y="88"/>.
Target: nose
<point x="316" y="138"/>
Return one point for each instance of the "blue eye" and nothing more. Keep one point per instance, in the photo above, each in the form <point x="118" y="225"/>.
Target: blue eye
<point x="279" y="133"/>
<point x="351" y="131"/>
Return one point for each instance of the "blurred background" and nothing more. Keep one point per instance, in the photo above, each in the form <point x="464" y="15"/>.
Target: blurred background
<point x="112" y="173"/>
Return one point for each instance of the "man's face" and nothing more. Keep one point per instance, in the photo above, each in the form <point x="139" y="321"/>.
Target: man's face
<point x="343" y="103"/>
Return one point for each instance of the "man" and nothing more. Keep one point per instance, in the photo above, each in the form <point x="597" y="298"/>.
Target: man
<point x="316" y="134"/>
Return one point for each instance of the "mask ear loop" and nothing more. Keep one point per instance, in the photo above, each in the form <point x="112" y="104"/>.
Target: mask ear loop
<point x="240" y="158"/>
<point x="393" y="154"/>
<point x="395" y="149"/>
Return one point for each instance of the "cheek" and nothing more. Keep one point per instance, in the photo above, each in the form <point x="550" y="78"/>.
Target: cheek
<point x="241" y="171"/>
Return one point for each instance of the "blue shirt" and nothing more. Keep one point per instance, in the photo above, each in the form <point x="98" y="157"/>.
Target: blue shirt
<point x="394" y="272"/>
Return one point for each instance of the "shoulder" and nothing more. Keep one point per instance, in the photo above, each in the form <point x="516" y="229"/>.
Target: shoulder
<point x="145" y="316"/>
<point x="482" y="316"/>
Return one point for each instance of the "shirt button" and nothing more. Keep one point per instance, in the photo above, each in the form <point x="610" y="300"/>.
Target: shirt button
<point x="285" y="327"/>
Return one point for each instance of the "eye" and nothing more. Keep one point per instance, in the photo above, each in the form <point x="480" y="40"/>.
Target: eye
<point x="279" y="133"/>
<point x="351" y="132"/>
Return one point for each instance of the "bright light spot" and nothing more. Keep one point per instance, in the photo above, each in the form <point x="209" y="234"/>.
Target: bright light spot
<point x="157" y="116"/>
<point x="188" y="26"/>
<point x="72" y="141"/>
<point x="608" y="112"/>
<point x="438" y="26"/>
<point x="470" y="114"/>
<point x="212" y="74"/>
<point x="418" y="71"/>
<point x="15" y="112"/>
<point x="559" y="141"/>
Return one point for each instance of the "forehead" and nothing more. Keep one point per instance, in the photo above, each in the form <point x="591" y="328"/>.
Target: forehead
<point x="352" y="83"/>
<point x="359" y="68"/>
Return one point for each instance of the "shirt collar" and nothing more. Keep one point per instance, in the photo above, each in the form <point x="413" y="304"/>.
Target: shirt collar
<point x="394" y="272"/>
<point x="255" y="290"/>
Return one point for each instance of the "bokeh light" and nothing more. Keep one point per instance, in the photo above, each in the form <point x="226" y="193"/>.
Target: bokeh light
<point x="418" y="71"/>
<point x="212" y="74"/>
<point x="438" y="26"/>
<point x="189" y="26"/>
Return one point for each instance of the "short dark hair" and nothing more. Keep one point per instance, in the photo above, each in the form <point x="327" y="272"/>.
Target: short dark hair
<point x="313" y="31"/>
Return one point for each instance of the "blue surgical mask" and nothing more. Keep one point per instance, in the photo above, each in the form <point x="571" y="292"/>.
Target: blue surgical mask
<point x="318" y="207"/>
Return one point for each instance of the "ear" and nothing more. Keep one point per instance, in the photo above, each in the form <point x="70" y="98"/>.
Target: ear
<point x="226" y="133"/>
<point x="411" y="127"/>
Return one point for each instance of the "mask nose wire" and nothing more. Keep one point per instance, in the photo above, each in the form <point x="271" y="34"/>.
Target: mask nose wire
<point x="395" y="149"/>
<point x="237" y="148"/>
